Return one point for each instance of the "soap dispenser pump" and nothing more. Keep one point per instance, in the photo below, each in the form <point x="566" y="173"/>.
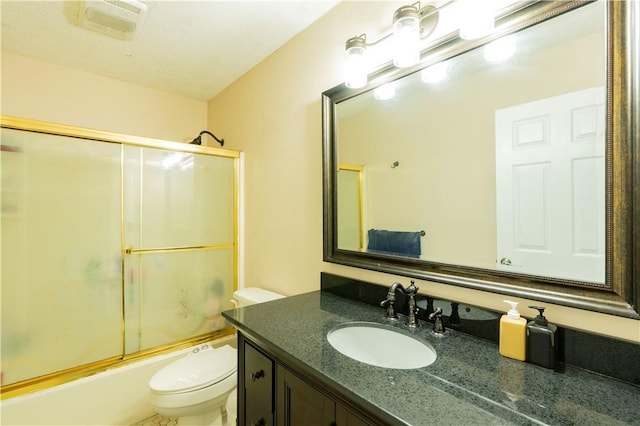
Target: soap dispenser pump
<point x="513" y="333"/>
<point x="542" y="344"/>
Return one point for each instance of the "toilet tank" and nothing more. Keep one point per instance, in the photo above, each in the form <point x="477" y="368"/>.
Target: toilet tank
<point x="252" y="295"/>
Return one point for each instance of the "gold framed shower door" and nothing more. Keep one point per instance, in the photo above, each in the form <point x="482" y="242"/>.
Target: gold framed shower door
<point x="222" y="253"/>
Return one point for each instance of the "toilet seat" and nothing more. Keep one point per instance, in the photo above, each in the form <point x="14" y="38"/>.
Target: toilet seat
<point x="203" y="367"/>
<point x="196" y="401"/>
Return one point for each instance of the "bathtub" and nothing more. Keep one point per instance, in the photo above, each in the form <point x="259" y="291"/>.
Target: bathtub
<point x="114" y="397"/>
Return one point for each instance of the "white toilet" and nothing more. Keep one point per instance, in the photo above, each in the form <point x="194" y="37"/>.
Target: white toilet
<point x="194" y="387"/>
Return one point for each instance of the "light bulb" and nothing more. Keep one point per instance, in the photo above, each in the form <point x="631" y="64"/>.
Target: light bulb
<point x="355" y="67"/>
<point x="406" y="36"/>
<point x="476" y="19"/>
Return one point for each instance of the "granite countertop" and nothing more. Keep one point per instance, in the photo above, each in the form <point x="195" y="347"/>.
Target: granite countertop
<point x="469" y="383"/>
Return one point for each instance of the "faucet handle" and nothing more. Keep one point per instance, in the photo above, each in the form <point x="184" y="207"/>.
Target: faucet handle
<point x="391" y="312"/>
<point x="412" y="289"/>
<point x="438" y="324"/>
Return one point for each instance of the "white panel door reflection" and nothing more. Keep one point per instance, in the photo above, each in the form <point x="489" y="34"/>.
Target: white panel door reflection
<point x="550" y="179"/>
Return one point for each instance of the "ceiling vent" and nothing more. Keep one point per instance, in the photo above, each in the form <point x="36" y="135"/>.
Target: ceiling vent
<point x="115" y="18"/>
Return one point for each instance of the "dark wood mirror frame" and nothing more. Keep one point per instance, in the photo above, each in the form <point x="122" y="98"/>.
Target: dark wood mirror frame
<point x="621" y="295"/>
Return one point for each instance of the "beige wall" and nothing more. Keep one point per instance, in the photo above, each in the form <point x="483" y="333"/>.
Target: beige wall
<point x="273" y="114"/>
<point x="44" y="91"/>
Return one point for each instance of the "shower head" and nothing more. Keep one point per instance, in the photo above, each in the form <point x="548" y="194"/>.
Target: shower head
<point x="198" y="139"/>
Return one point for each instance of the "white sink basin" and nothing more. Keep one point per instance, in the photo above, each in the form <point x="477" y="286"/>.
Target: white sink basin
<point x="380" y="345"/>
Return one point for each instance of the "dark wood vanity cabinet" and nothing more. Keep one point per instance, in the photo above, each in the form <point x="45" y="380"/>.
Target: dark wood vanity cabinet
<point x="256" y="380"/>
<point x="298" y="403"/>
<point x="271" y="394"/>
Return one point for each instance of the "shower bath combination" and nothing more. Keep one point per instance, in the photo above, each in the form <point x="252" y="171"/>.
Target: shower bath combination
<point x="100" y="213"/>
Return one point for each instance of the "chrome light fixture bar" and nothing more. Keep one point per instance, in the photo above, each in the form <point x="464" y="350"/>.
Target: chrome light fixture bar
<point x="412" y="24"/>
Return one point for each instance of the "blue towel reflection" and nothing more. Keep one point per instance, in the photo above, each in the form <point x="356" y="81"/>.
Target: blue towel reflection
<point x="396" y="243"/>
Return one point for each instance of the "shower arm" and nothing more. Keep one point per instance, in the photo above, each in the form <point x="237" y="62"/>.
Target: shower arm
<point x="198" y="139"/>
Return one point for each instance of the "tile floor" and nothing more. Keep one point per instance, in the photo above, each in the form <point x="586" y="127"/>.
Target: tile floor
<point x="158" y="420"/>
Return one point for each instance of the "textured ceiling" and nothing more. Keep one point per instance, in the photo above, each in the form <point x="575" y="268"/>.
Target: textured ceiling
<point x="192" y="48"/>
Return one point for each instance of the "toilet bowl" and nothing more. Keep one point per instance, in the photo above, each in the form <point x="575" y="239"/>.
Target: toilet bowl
<point x="194" y="387"/>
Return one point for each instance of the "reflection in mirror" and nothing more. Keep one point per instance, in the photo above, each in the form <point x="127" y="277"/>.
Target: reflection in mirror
<point x="515" y="157"/>
<point x="350" y="207"/>
<point x="500" y="153"/>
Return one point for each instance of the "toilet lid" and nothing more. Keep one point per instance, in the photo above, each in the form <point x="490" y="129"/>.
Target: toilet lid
<point x="195" y="371"/>
<point x="251" y="295"/>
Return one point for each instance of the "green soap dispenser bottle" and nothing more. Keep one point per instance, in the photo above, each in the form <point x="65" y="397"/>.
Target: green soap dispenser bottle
<point x="542" y="344"/>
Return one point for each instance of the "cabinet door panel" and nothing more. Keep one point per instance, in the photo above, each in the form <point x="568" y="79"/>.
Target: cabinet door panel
<point x="258" y="387"/>
<point x="301" y="404"/>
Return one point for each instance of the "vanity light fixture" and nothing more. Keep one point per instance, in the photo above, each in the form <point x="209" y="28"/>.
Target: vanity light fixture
<point x="355" y="70"/>
<point x="406" y="36"/>
<point x="198" y="139"/>
<point x="411" y="25"/>
<point x="476" y="19"/>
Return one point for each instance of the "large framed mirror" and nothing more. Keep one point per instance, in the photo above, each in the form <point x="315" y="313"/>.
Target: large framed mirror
<point x="512" y="174"/>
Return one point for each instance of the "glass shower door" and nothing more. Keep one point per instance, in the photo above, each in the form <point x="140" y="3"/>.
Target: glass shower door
<point x="113" y="247"/>
<point x="61" y="253"/>
<point x="180" y="234"/>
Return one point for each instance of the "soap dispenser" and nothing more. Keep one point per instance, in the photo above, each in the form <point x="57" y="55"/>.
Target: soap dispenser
<point x="513" y="333"/>
<point x="542" y="345"/>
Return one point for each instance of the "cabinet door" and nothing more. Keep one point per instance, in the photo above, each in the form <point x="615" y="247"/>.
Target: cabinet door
<point x="298" y="403"/>
<point x="258" y="387"/>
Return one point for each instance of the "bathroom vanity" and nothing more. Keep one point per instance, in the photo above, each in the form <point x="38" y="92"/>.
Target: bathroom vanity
<point x="269" y="392"/>
<point x="289" y="374"/>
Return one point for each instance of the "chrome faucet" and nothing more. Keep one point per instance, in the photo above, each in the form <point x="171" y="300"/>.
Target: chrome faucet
<point x="411" y="291"/>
